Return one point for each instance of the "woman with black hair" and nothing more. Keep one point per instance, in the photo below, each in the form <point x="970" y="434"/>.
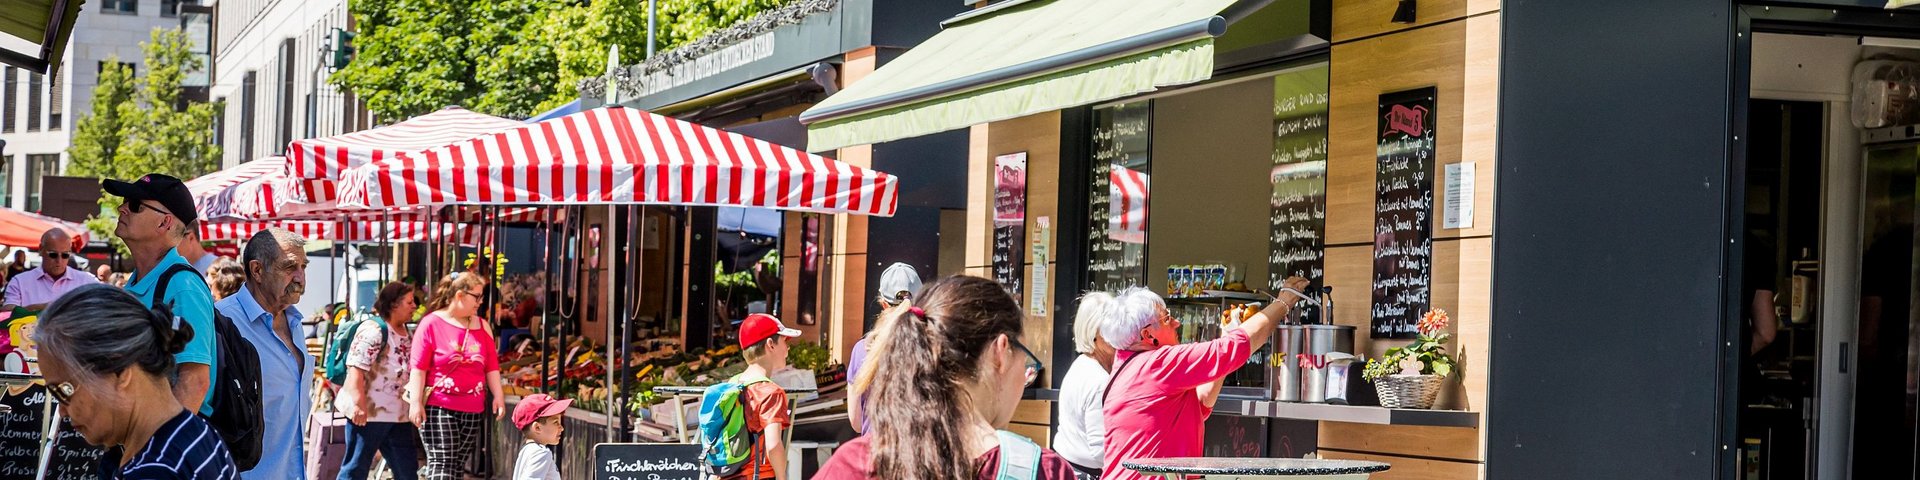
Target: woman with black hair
<point x="107" y="358"/>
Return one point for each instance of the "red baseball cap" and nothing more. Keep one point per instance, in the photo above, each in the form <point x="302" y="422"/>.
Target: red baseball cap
<point x="761" y="326"/>
<point x="535" y="407"/>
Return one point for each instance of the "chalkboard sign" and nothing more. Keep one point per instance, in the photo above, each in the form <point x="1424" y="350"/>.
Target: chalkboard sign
<point x="20" y="436"/>
<point x="1403" y="210"/>
<point x="1010" y="220"/>
<point x="1297" y="244"/>
<point x="1116" y="240"/>
<point x="1235" y="436"/>
<point x="647" y="461"/>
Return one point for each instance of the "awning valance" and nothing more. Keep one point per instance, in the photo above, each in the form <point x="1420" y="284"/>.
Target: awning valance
<point x="1031" y="58"/>
<point x="42" y="28"/>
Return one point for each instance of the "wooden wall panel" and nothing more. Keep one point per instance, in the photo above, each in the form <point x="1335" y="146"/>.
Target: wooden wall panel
<point x="1039" y="136"/>
<point x="1353" y="19"/>
<point x="1466" y="72"/>
<point x="1408" y="468"/>
<point x="1462" y="285"/>
<point x="1436" y="442"/>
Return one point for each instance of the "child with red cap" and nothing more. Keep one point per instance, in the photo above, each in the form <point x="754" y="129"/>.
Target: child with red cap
<point x="538" y="418"/>
<point x="763" y="341"/>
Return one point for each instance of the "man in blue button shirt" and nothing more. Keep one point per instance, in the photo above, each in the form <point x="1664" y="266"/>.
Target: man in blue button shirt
<point x="156" y="216"/>
<point x="263" y="310"/>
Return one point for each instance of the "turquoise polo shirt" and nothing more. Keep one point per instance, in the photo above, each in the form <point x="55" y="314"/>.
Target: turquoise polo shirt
<point x="193" y="302"/>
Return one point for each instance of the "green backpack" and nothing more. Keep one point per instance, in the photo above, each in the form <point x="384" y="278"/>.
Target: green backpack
<point x="336" y="359"/>
<point x="726" y="444"/>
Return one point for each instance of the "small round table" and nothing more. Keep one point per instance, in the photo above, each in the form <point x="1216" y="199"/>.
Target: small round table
<point x="1255" y="468"/>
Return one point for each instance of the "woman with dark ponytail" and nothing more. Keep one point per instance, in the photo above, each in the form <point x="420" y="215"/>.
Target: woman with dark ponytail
<point x="107" y="358"/>
<point x="946" y="371"/>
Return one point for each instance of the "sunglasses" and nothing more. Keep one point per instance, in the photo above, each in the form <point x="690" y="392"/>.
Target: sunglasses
<point x="57" y="255"/>
<point x="1033" y="362"/>
<point x="136" y="207"/>
<point x="63" y="392"/>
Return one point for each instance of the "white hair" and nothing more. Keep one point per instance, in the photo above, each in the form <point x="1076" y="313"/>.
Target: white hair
<point x="1132" y="310"/>
<point x="1086" y="322"/>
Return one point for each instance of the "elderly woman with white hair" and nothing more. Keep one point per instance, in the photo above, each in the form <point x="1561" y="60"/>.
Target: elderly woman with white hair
<point x="1162" y="391"/>
<point x="1081" y="438"/>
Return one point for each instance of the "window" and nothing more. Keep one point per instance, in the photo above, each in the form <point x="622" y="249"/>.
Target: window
<point x="287" y="72"/>
<point x="38" y="167"/>
<point x="12" y="92"/>
<point x="6" y="181"/>
<point x="56" y="102"/>
<point x="34" y="83"/>
<point x="169" y="8"/>
<point x="249" y="86"/>
<point x="220" y="123"/>
<point x="126" y="7"/>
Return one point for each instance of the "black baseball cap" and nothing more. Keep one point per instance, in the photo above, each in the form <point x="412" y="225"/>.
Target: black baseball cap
<point x="169" y="191"/>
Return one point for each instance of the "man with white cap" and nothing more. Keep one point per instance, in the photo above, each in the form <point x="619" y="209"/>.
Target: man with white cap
<point x="898" y="284"/>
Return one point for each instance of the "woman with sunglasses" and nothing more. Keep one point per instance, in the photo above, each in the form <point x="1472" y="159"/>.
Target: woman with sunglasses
<point x="945" y="372"/>
<point x="455" y="369"/>
<point x="106" y="359"/>
<point x="1161" y="392"/>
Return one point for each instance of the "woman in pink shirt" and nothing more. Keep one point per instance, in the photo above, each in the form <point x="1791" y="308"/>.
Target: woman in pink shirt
<point x="1162" y="392"/>
<point x="455" y="367"/>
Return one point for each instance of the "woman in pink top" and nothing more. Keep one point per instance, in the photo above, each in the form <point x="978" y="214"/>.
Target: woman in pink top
<point x="455" y="367"/>
<point x="1162" y="392"/>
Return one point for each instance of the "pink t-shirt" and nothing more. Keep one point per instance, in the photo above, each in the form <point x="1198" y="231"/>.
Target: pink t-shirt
<point x="1152" y="410"/>
<point x="457" y="362"/>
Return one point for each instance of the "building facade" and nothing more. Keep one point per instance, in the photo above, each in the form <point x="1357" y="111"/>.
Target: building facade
<point x="269" y="60"/>
<point x="40" y="111"/>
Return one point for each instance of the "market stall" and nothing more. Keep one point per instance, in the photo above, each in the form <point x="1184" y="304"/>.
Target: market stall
<point x="634" y="163"/>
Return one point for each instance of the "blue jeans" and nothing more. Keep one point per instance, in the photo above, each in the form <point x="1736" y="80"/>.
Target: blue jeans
<point x="396" y="442"/>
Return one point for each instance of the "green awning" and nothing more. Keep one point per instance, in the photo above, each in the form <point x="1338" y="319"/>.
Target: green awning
<point x="47" y="24"/>
<point x="1032" y="57"/>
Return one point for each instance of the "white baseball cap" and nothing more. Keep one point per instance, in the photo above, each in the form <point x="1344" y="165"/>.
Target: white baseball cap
<point x="899" y="282"/>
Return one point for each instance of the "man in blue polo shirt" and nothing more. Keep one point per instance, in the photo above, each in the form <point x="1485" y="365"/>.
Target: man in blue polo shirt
<point x="263" y="310"/>
<point x="157" y="214"/>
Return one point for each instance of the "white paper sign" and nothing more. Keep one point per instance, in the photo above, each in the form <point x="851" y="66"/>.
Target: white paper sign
<point x="1459" y="196"/>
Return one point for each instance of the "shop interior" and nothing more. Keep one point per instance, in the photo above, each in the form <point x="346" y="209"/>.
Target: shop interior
<point x="1830" y="264"/>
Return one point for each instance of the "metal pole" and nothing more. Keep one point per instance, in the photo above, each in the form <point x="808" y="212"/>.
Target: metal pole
<point x="652" y="16"/>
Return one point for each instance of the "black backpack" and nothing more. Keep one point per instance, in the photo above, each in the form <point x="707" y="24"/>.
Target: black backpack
<point x="236" y="388"/>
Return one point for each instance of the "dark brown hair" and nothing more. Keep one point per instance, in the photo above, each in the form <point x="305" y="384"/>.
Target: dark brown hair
<point x="390" y="295"/>
<point x="922" y="353"/>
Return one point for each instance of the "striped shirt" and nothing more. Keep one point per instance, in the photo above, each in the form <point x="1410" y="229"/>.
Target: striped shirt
<point x="184" y="448"/>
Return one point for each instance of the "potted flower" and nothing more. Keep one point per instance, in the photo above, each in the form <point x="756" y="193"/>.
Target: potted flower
<point x="1410" y="376"/>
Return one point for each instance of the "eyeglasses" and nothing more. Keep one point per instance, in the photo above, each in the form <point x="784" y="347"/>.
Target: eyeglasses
<point x="476" y="296"/>
<point x="57" y="255"/>
<point x="62" y="392"/>
<point x="1033" y="362"/>
<point x="136" y="207"/>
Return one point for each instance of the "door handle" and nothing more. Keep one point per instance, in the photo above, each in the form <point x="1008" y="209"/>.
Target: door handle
<point x="1844" y="357"/>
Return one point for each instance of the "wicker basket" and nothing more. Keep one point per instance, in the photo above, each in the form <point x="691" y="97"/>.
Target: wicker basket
<point x="1408" y="391"/>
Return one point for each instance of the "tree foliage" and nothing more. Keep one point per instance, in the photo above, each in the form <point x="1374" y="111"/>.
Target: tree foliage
<point x="139" y="125"/>
<point x="512" y="58"/>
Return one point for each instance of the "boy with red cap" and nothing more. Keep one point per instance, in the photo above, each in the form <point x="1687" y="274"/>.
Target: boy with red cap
<point x="538" y="418"/>
<point x="763" y="341"/>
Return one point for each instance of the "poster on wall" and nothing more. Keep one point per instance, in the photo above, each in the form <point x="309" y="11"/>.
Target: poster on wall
<point x="1297" y="243"/>
<point x="1009" y="220"/>
<point x="1116" y="237"/>
<point x="1403" y="211"/>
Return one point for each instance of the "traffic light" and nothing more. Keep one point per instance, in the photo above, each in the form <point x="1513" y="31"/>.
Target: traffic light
<point x="342" y="48"/>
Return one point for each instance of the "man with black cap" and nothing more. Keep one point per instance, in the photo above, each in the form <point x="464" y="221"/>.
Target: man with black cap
<point x="158" y="213"/>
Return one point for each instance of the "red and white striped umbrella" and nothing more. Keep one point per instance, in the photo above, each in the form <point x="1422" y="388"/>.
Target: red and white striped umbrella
<point x="354" y="231"/>
<point x="217" y="195"/>
<point x="1127" y="197"/>
<point x="314" y="162"/>
<point x="616" y="155"/>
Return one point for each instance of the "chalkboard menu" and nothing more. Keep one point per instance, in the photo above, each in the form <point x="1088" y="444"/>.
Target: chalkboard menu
<point x="1403" y="207"/>
<point x="647" y="461"/>
<point x="1116" y="250"/>
<point x="1010" y="220"/>
<point x="20" y="435"/>
<point x="1297" y="243"/>
<point x="1234" y="436"/>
